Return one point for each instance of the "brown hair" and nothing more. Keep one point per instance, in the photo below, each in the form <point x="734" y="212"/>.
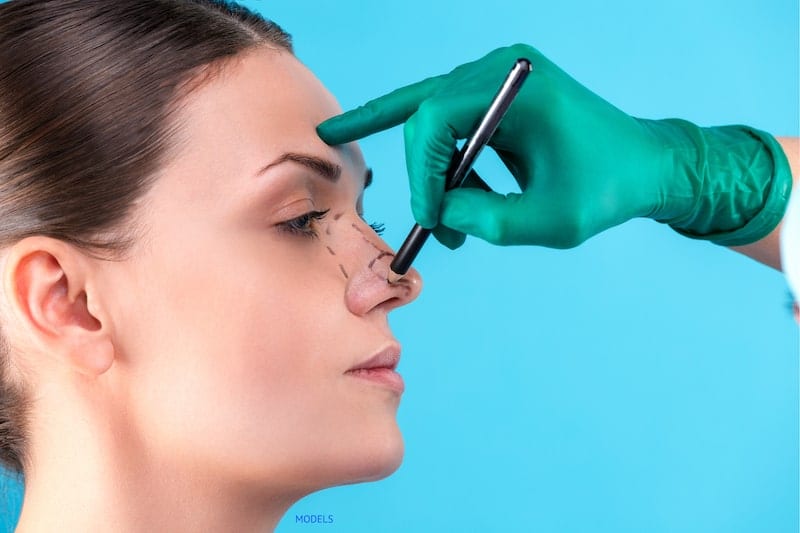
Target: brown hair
<point x="88" y="95"/>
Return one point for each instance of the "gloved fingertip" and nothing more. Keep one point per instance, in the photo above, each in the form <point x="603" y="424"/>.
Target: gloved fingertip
<point x="448" y="237"/>
<point x="329" y="132"/>
<point x="463" y="211"/>
<point x="456" y="204"/>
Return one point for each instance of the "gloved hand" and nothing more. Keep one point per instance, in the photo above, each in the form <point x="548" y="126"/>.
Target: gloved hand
<point x="582" y="164"/>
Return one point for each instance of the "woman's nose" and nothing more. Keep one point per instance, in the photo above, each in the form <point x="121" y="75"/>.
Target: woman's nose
<point x="368" y="287"/>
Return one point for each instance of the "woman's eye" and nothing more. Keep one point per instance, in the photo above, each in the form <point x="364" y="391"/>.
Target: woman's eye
<point x="304" y="225"/>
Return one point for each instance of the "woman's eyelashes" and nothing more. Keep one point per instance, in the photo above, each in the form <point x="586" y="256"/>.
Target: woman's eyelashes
<point x="304" y="225"/>
<point x="377" y="227"/>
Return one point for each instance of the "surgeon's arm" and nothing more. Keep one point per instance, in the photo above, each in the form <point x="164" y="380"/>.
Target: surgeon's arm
<point x="767" y="250"/>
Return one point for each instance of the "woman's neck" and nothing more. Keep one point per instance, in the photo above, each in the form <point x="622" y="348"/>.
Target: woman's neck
<point x="97" y="475"/>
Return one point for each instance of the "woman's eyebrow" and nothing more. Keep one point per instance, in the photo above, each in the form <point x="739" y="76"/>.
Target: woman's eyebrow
<point x="327" y="169"/>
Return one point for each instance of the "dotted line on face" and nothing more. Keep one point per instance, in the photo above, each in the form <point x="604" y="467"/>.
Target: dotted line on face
<point x="381" y="255"/>
<point x="368" y="241"/>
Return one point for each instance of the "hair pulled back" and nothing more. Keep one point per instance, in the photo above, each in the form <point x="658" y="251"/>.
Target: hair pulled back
<point x="89" y="91"/>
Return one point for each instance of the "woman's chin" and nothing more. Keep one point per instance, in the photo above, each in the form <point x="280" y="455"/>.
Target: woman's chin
<point x="376" y="459"/>
<point x="388" y="462"/>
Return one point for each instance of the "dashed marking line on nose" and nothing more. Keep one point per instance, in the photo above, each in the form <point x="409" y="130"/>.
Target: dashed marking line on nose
<point x="368" y="241"/>
<point x="381" y="255"/>
<point x="341" y="267"/>
<point x="330" y="250"/>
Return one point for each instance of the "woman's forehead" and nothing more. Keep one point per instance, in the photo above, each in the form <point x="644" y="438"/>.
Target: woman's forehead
<point x="264" y="103"/>
<point x="263" y="86"/>
<point x="254" y="110"/>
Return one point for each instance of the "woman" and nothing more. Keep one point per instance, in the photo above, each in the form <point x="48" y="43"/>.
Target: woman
<point x="194" y="313"/>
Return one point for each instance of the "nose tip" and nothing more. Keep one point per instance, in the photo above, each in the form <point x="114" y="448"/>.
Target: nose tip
<point x="412" y="278"/>
<point x="369" y="287"/>
<point x="411" y="282"/>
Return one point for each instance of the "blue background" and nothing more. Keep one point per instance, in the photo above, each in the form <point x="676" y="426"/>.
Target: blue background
<point x="639" y="382"/>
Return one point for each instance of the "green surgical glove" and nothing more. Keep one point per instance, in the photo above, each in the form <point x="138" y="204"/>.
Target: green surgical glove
<point x="582" y="164"/>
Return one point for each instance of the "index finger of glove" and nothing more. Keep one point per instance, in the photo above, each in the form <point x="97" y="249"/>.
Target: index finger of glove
<point x="378" y="114"/>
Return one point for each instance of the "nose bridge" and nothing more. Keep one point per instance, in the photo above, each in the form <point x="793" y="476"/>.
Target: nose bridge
<point x="371" y="248"/>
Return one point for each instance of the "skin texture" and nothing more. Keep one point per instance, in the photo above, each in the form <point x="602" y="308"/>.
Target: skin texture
<point x="200" y="383"/>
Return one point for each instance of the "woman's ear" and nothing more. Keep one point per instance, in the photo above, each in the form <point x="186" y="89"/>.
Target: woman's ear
<point x="49" y="289"/>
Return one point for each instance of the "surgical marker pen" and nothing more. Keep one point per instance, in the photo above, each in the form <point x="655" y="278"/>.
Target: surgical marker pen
<point x="462" y="162"/>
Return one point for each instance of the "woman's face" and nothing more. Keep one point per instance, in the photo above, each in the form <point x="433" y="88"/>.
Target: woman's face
<point x="238" y="314"/>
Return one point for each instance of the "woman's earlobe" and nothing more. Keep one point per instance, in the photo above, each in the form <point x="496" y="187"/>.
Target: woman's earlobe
<point x="46" y="283"/>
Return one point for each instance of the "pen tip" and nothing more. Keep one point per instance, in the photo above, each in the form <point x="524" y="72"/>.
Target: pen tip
<point x="393" y="277"/>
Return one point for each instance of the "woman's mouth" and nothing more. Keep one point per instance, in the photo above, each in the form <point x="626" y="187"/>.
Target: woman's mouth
<point x="381" y="375"/>
<point x="380" y="368"/>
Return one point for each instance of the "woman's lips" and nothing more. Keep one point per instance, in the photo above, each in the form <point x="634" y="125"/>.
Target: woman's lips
<point x="381" y="375"/>
<point x="380" y="368"/>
